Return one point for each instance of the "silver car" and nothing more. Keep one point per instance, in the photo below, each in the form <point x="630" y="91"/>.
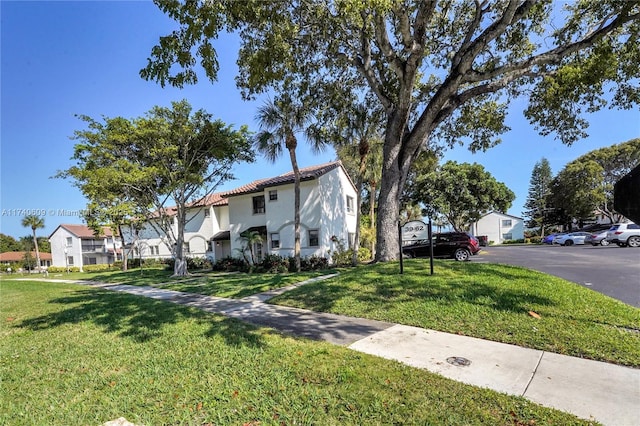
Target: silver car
<point x="624" y="234"/>
<point x="597" y="238"/>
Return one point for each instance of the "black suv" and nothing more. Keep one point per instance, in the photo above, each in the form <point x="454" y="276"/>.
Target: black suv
<point x="458" y="245"/>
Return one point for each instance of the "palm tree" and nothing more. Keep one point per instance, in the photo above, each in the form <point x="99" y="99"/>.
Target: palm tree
<point x="360" y="143"/>
<point x="34" y="222"/>
<point x="280" y="121"/>
<point x="249" y="239"/>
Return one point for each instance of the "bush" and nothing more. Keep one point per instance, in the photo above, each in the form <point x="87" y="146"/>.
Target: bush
<point x="229" y="264"/>
<point x="313" y="263"/>
<point x="513" y="241"/>
<point x="273" y="264"/>
<point x="193" y="263"/>
<point x="343" y="257"/>
<point x="98" y="268"/>
<point x="58" y="269"/>
<point x="534" y="240"/>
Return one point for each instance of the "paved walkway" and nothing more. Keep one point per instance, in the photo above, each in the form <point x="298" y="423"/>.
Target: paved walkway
<point x="607" y="393"/>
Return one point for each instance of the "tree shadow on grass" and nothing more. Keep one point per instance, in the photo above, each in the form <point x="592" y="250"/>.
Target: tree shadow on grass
<point x="138" y="318"/>
<point x="450" y="286"/>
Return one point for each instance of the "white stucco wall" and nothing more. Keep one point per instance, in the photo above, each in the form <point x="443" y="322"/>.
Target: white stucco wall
<point x="336" y="221"/>
<point x="58" y="241"/>
<point x="492" y="226"/>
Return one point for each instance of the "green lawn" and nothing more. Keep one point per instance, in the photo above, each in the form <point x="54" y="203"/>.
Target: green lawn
<point x="232" y="285"/>
<point x="483" y="300"/>
<point x="79" y="355"/>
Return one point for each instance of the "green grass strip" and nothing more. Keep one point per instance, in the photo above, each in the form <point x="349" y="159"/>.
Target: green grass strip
<point x="79" y="355"/>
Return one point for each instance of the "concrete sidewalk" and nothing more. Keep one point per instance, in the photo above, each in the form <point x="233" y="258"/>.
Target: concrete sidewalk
<point x="607" y="393"/>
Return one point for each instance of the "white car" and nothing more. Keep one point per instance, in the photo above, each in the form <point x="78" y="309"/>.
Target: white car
<point x="624" y="234"/>
<point x="571" y="238"/>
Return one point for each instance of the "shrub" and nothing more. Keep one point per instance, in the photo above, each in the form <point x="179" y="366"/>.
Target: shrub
<point x="58" y="269"/>
<point x="314" y="263"/>
<point x="98" y="268"/>
<point x="513" y="241"/>
<point x="533" y="240"/>
<point x="273" y="264"/>
<point x="229" y="264"/>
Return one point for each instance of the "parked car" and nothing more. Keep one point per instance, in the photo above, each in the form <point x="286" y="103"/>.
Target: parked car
<point x="571" y="238"/>
<point x="597" y="238"/>
<point x="624" y="234"/>
<point x="549" y="238"/>
<point x="458" y="245"/>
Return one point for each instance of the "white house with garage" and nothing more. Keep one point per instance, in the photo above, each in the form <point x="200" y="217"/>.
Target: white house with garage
<point x="327" y="215"/>
<point x="499" y="227"/>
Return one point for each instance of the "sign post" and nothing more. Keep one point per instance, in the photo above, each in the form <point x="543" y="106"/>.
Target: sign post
<point x="400" y="241"/>
<point x="415" y="230"/>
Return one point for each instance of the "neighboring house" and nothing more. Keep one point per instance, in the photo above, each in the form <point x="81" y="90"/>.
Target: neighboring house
<point x="499" y="227"/>
<point x="77" y="246"/>
<point x="214" y="224"/>
<point x="206" y="218"/>
<point x="18" y="257"/>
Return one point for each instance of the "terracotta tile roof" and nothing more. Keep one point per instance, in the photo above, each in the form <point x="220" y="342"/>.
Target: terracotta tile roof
<point x="83" y="231"/>
<point x="18" y="256"/>
<point x="221" y="198"/>
<point x="215" y="199"/>
<point x="306" y="173"/>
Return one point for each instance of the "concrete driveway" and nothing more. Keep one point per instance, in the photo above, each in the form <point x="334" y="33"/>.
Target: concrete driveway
<point x="611" y="270"/>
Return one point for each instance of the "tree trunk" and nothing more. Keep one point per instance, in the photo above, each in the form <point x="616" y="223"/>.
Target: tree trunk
<point x="180" y="265"/>
<point x="125" y="254"/>
<point x="372" y="212"/>
<point x="387" y="244"/>
<point x="356" y="239"/>
<point x="35" y="244"/>
<point x="296" y="207"/>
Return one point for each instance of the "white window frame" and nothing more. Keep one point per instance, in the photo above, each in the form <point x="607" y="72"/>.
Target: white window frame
<point x="351" y="204"/>
<point x="275" y="242"/>
<point x="273" y="195"/>
<point x="507" y="223"/>
<point x="317" y="231"/>
<point x="253" y="205"/>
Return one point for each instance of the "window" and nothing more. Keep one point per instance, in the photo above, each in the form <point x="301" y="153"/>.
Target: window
<point x="69" y="241"/>
<point x="209" y="245"/>
<point x="507" y="236"/>
<point x="258" y="204"/>
<point x="207" y="213"/>
<point x="273" y="195"/>
<point x="69" y="260"/>
<point x="92" y="261"/>
<point x="506" y="223"/>
<point x="314" y="238"/>
<point x="155" y="250"/>
<point x="275" y="240"/>
<point x="350" y="205"/>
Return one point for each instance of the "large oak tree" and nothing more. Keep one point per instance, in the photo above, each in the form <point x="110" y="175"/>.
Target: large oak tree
<point x="443" y="71"/>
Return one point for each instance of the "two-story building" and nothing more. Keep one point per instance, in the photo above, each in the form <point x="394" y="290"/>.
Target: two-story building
<point x="498" y="227"/>
<point x="78" y="245"/>
<point x="214" y="224"/>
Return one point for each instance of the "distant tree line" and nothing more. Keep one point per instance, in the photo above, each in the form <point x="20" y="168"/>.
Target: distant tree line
<point x="582" y="190"/>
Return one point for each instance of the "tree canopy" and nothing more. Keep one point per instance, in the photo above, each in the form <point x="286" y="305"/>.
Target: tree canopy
<point x="461" y="192"/>
<point x="137" y="168"/>
<point x="584" y="187"/>
<point x="443" y="72"/>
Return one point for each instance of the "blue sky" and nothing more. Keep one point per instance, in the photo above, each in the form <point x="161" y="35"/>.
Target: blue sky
<point x="59" y="59"/>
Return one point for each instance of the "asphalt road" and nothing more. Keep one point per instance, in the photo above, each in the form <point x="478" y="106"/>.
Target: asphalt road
<point x="611" y="270"/>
